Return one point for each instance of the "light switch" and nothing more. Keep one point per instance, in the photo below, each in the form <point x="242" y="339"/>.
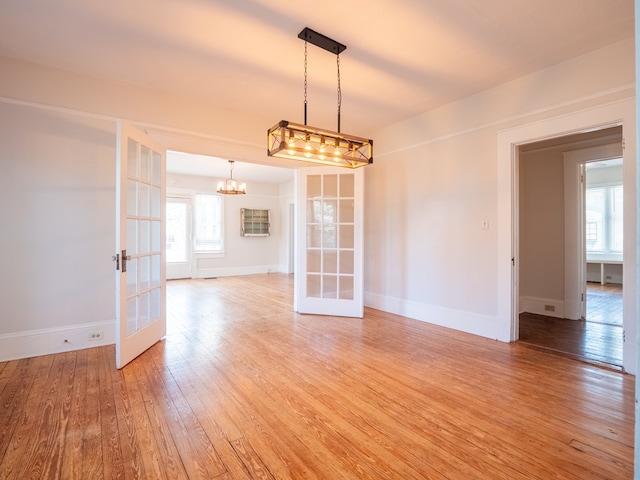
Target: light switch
<point x="485" y="224"/>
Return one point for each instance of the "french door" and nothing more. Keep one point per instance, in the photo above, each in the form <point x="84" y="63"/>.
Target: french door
<point x="329" y="241"/>
<point x="140" y="233"/>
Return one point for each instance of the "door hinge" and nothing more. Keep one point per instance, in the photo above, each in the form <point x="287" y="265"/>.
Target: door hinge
<point x="116" y="258"/>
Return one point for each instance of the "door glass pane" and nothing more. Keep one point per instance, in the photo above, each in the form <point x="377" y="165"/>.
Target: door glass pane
<point x="155" y="236"/>
<point x="145" y="163"/>
<point x="346" y="211"/>
<point x="330" y="261"/>
<point x="176" y="232"/>
<point x="346" y="261"/>
<point x="132" y="158"/>
<point x="313" y="261"/>
<point x="132" y="276"/>
<point x="132" y="237"/>
<point x="155" y="270"/>
<point x="329" y="239"/>
<point x="156" y="168"/>
<point x="143" y="202"/>
<point x="347" y="185"/>
<point x="330" y="187"/>
<point x="155" y="202"/>
<point x="346" y="288"/>
<point x="313" y="286"/>
<point x="314" y="186"/>
<point x="346" y="236"/>
<point x="314" y="236"/>
<point x="155" y="305"/>
<point x="329" y="286"/>
<point x="143" y="310"/>
<point x="132" y="315"/>
<point x="143" y="237"/>
<point x="330" y="211"/>
<point x="132" y="197"/>
<point x="144" y="273"/>
<point x="314" y="211"/>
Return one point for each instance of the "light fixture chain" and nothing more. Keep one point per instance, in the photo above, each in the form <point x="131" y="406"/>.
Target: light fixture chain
<point x="339" y="90"/>
<point x="305" y="82"/>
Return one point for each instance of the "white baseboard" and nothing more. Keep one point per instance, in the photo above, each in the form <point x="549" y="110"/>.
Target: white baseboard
<point x="234" y="271"/>
<point x="33" y="343"/>
<point x="542" y="306"/>
<point x="482" y="325"/>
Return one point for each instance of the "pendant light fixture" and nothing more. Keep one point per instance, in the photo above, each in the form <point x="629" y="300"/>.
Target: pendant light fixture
<point x="310" y="144"/>
<point x="230" y="186"/>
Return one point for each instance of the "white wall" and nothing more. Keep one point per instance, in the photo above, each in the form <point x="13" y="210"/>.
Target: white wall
<point x="541" y="232"/>
<point x="437" y="179"/>
<point x="57" y="183"/>
<point x="287" y="215"/>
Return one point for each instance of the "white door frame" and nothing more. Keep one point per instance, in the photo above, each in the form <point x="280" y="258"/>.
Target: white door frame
<point x="613" y="114"/>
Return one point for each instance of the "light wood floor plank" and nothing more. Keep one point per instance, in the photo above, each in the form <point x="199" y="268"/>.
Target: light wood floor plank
<point x="71" y="464"/>
<point x="92" y="453"/>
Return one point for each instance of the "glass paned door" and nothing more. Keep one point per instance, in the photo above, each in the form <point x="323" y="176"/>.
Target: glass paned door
<point x="140" y="233"/>
<point x="178" y="239"/>
<point x="329" y="241"/>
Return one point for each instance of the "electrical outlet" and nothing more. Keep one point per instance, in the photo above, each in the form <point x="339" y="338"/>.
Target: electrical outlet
<point x="549" y="308"/>
<point x="95" y="336"/>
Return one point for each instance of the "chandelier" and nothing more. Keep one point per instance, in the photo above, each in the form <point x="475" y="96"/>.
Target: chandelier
<point x="230" y="186"/>
<point x="310" y="144"/>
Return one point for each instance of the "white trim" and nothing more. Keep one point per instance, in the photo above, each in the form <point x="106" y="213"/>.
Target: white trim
<point x="235" y="271"/>
<point x="469" y="322"/>
<point x="538" y="306"/>
<point x="32" y="343"/>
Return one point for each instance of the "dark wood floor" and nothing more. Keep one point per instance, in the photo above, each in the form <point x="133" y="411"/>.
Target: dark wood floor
<point x="597" y="340"/>
<point x="243" y="388"/>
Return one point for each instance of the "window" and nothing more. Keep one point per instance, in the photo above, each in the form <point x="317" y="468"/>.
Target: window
<point x="208" y="223"/>
<point x="604" y="233"/>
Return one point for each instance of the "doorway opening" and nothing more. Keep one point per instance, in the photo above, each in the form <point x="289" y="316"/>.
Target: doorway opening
<point x="570" y="231"/>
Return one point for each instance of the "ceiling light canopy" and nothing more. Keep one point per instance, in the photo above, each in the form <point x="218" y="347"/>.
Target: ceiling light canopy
<point x="310" y="144"/>
<point x="231" y="186"/>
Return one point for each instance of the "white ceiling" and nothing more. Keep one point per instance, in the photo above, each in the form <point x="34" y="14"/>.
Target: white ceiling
<point x="403" y="57"/>
<point x="189" y="164"/>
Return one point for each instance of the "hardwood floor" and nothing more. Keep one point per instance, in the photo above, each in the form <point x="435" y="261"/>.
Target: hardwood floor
<point x="597" y="340"/>
<point x="242" y="388"/>
<point x="604" y="303"/>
